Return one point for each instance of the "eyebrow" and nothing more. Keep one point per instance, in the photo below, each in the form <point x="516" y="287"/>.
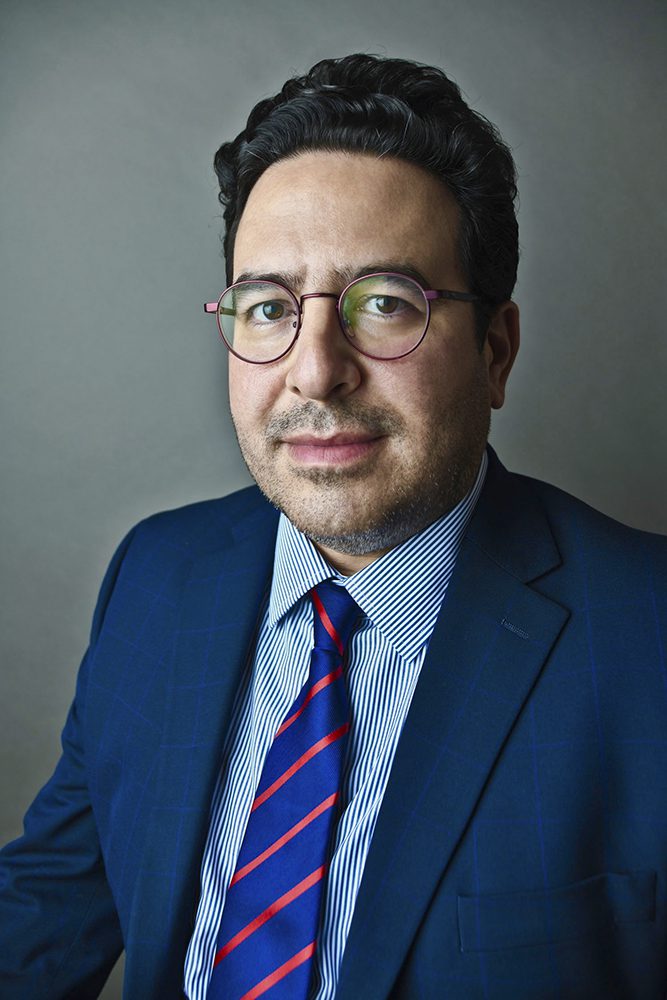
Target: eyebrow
<point x="294" y="280"/>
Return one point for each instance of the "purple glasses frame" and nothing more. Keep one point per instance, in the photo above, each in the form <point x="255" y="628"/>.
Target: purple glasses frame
<point x="429" y="295"/>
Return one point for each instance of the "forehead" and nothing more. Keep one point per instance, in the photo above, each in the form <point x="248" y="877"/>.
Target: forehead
<point x="324" y="212"/>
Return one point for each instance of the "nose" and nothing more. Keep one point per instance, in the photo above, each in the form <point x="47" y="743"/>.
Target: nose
<point x="322" y="364"/>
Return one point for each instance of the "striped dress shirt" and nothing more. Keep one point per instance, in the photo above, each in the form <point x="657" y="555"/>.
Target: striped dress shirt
<point x="400" y="595"/>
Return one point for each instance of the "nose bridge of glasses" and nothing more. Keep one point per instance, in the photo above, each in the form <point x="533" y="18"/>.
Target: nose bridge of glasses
<point x="317" y="295"/>
<point x="314" y="295"/>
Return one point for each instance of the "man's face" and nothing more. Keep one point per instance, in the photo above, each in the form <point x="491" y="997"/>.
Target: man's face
<point x="360" y="454"/>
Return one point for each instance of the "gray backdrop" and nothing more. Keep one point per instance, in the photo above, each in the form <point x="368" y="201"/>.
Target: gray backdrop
<point x="113" y="381"/>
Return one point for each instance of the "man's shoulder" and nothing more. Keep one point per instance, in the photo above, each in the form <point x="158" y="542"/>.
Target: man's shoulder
<point x="536" y="530"/>
<point x="567" y="507"/>
<point x="158" y="555"/>
<point x="201" y="528"/>
<point x="582" y="531"/>
<point x="205" y="523"/>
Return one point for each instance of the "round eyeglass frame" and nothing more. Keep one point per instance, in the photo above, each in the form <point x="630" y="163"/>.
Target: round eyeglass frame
<point x="429" y="295"/>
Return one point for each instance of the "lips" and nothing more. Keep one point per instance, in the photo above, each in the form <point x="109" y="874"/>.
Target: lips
<point x="336" y="449"/>
<point x="333" y="440"/>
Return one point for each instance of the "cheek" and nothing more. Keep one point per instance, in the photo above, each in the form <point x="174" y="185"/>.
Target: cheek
<point x="421" y="391"/>
<point x="233" y="385"/>
<point x="252" y="392"/>
<point x="433" y="394"/>
<point x="239" y="396"/>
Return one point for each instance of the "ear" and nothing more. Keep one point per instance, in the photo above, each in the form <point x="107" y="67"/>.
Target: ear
<point x="500" y="349"/>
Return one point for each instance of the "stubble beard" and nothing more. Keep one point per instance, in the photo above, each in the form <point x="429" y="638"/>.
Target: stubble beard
<point x="419" y="492"/>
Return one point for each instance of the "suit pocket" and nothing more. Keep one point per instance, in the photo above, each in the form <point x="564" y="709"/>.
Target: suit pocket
<point x="563" y="913"/>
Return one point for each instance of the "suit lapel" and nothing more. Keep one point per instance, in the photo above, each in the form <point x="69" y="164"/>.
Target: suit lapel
<point x="492" y="638"/>
<point x="219" y="615"/>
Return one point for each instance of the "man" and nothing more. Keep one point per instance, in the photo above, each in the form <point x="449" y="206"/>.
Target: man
<point x="481" y="810"/>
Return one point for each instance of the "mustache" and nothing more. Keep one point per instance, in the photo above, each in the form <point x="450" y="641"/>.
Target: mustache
<point x="334" y="419"/>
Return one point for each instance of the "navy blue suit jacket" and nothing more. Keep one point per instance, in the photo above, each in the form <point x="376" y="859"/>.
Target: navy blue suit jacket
<point x="520" y="851"/>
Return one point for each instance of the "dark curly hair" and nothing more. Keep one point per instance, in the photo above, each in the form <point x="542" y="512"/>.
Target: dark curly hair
<point x="389" y="107"/>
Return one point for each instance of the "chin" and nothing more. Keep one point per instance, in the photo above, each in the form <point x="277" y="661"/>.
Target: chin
<point x="362" y="510"/>
<point x="348" y="528"/>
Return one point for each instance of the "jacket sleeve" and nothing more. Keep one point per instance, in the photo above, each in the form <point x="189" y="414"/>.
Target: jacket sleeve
<point x="59" y="932"/>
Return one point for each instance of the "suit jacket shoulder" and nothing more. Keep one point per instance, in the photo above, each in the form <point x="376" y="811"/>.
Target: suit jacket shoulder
<point x="541" y="527"/>
<point x="199" y="528"/>
<point x="125" y="815"/>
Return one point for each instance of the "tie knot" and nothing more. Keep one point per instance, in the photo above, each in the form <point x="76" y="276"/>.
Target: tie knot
<point x="335" y="613"/>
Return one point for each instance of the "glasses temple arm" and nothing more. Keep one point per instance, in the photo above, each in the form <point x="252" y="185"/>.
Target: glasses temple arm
<point x="432" y="293"/>
<point x="212" y="307"/>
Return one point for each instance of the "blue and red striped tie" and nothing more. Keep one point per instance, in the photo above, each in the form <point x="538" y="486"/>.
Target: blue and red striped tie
<point x="269" y="925"/>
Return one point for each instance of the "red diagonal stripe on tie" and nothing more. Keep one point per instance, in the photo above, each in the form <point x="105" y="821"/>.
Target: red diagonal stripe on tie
<point x="286" y="837"/>
<point x="292" y="963"/>
<point x="298" y="764"/>
<point x="319" y="686"/>
<point x="270" y="911"/>
<point x="326" y="621"/>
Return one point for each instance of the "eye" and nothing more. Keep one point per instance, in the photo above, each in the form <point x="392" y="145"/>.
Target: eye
<point x="271" y="311"/>
<point x="385" y="304"/>
<point x="381" y="305"/>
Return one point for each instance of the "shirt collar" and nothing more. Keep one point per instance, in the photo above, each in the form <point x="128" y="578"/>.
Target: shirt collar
<point x="406" y="585"/>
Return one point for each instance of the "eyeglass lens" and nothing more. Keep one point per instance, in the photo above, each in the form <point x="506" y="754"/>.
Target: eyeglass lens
<point x="383" y="316"/>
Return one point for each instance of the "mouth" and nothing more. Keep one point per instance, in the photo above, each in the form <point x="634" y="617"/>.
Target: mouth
<point x="335" y="450"/>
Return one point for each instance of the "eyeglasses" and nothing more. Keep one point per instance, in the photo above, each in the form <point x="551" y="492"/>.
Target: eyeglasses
<point x="384" y="316"/>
